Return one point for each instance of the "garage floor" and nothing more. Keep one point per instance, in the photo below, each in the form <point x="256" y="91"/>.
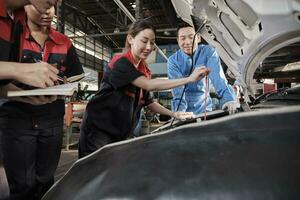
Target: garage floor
<point x="67" y="158"/>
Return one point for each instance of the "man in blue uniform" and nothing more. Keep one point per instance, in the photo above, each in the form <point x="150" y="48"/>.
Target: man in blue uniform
<point x="179" y="65"/>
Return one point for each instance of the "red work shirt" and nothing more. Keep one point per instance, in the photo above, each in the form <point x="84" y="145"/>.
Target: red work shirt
<point x="10" y="30"/>
<point x="58" y="50"/>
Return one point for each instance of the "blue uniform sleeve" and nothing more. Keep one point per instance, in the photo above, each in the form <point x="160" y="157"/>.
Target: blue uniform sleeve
<point x="174" y="73"/>
<point x="217" y="76"/>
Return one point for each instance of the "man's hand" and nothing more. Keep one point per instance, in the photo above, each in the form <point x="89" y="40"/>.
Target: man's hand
<point x="43" y="5"/>
<point x="38" y="74"/>
<point x="199" y="73"/>
<point x="230" y="106"/>
<point x="182" y="116"/>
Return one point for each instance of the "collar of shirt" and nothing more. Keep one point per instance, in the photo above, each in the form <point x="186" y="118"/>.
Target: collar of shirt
<point x="11" y="14"/>
<point x="186" y="59"/>
<point x="52" y="36"/>
<point x="142" y="65"/>
<point x="186" y="56"/>
<point x="19" y="15"/>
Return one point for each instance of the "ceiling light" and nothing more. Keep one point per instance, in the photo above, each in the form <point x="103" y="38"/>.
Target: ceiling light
<point x="117" y="30"/>
<point x="167" y="33"/>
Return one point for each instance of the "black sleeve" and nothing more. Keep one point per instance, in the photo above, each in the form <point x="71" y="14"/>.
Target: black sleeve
<point x="123" y="73"/>
<point x="73" y="64"/>
<point x="4" y="82"/>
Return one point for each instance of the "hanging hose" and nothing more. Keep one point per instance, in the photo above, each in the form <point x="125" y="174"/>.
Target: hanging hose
<point x="206" y="96"/>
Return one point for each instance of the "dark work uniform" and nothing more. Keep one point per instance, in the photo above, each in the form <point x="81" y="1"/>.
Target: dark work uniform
<point x="8" y="50"/>
<point x="111" y="115"/>
<point x="33" y="133"/>
<point x="8" y="33"/>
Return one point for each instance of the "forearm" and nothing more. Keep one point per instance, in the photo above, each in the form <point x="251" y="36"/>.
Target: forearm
<point x="162" y="84"/>
<point x="157" y="108"/>
<point x="219" y="81"/>
<point x="165" y="84"/>
<point x="169" y="83"/>
<point x="8" y="70"/>
<point x="224" y="90"/>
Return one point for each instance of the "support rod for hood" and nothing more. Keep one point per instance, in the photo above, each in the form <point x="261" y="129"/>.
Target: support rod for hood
<point x="129" y="15"/>
<point x="125" y="10"/>
<point x="138" y="9"/>
<point x="60" y="10"/>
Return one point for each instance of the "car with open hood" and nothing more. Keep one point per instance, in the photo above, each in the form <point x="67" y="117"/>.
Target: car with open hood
<point x="249" y="155"/>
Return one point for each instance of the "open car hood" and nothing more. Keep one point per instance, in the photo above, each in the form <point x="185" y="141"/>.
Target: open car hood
<point x="243" y="32"/>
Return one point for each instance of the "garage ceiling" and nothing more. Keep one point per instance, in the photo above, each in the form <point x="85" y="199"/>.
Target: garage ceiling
<point x="108" y="23"/>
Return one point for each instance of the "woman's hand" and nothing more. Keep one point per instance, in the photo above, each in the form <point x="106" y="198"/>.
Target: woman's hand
<point x="199" y="73"/>
<point x="182" y="116"/>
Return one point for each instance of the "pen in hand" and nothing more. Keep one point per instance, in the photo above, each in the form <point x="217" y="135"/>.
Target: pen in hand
<point x="62" y="79"/>
<point x="59" y="78"/>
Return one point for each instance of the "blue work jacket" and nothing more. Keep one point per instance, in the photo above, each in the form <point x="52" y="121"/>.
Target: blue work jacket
<point x="179" y="65"/>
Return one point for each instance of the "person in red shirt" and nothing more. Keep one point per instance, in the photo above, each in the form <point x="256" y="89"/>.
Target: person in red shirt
<point x="39" y="75"/>
<point x="111" y="115"/>
<point x="32" y="149"/>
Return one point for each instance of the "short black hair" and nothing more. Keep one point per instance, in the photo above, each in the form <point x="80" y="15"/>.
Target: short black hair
<point x="182" y="25"/>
